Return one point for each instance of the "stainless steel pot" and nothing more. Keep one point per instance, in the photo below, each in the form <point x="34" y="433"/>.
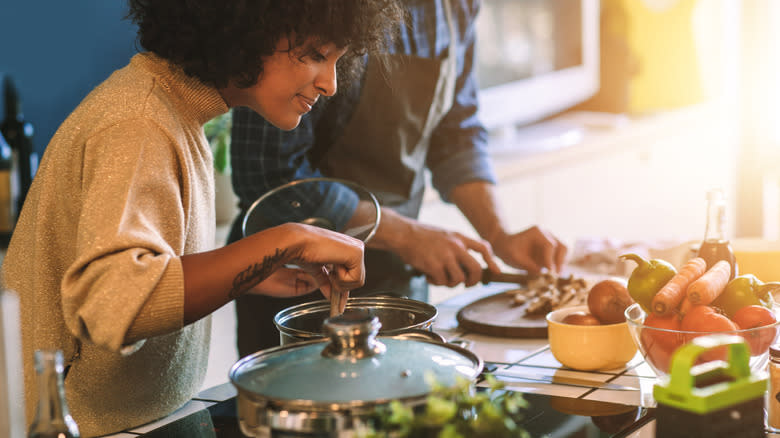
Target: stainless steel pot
<point x="331" y="387"/>
<point x="304" y="322"/>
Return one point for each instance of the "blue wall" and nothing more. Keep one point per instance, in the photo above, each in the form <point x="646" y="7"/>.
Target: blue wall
<point x="58" y="51"/>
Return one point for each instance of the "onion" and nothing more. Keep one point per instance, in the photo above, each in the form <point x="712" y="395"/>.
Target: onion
<point x="581" y="318"/>
<point x="607" y="300"/>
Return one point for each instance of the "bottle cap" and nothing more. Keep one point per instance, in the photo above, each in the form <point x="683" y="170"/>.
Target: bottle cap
<point x="774" y="351"/>
<point x="715" y="194"/>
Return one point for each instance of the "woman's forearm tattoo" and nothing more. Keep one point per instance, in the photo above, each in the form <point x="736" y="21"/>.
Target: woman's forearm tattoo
<point x="256" y="273"/>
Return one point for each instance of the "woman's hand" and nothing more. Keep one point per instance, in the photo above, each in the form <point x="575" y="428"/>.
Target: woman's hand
<point x="322" y="260"/>
<point x="287" y="282"/>
<point x="331" y="258"/>
<point x="283" y="261"/>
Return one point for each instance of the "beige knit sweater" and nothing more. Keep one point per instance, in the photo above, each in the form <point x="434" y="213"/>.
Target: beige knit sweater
<point x="124" y="189"/>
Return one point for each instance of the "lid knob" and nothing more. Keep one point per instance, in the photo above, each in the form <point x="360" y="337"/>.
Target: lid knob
<point x="353" y="336"/>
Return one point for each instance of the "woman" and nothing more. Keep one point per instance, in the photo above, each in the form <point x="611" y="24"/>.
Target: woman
<point x="112" y="255"/>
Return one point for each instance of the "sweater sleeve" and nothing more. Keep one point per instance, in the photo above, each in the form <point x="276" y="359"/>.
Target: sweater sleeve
<point x="126" y="283"/>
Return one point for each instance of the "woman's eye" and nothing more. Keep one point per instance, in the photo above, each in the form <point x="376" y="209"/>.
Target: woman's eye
<point x="317" y="56"/>
<point x="312" y="56"/>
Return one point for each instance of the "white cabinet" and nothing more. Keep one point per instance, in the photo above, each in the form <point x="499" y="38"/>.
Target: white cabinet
<point x="643" y="180"/>
<point x="591" y="198"/>
<point x="519" y="202"/>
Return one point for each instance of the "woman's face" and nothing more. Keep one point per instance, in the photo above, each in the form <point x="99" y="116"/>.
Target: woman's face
<point x="291" y="82"/>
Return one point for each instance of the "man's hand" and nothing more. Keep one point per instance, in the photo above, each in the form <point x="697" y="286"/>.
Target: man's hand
<point x="533" y="250"/>
<point x="443" y="256"/>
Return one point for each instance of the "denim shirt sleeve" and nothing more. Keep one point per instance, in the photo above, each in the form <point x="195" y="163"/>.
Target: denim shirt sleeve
<point x="458" y="151"/>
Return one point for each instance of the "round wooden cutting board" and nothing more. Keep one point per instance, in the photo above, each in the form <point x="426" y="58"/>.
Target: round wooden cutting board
<point x="498" y="315"/>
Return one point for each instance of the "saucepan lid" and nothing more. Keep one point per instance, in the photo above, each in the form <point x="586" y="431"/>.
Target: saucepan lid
<point x="331" y="203"/>
<point x="397" y="315"/>
<point x="354" y="365"/>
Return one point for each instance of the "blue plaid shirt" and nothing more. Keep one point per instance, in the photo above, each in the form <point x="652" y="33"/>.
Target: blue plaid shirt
<point x="264" y="157"/>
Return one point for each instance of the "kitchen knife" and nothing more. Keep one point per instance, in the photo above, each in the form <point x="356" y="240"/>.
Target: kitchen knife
<point x="562" y="380"/>
<point x="492" y="277"/>
<point x="505" y="277"/>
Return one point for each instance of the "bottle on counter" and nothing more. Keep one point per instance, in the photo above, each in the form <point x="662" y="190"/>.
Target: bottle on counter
<point x="773" y="395"/>
<point x="12" y="421"/>
<point x="9" y="192"/>
<point x="716" y="245"/>
<point x="52" y="417"/>
<point x="18" y="133"/>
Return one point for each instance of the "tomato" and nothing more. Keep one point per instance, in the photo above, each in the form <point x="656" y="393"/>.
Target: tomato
<point x="668" y="340"/>
<point x="659" y="345"/>
<point x="707" y="320"/>
<point x="757" y="316"/>
<point x="754" y="316"/>
<point x="655" y="354"/>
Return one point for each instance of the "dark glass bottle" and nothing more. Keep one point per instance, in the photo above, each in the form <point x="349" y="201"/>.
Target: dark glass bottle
<point x="716" y="244"/>
<point x="9" y="192"/>
<point x="52" y="417"/>
<point x="18" y="133"/>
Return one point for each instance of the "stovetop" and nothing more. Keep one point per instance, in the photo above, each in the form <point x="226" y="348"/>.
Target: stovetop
<point x="547" y="416"/>
<point x="217" y="421"/>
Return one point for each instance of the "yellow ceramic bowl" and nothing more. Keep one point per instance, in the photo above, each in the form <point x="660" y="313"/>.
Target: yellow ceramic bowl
<point x="758" y="257"/>
<point x="588" y="347"/>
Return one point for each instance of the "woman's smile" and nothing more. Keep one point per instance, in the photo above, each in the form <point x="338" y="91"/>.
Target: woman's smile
<point x="305" y="103"/>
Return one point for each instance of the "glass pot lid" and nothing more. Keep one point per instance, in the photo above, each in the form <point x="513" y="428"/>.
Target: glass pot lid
<point x="310" y="201"/>
<point x="397" y="315"/>
<point x="353" y="366"/>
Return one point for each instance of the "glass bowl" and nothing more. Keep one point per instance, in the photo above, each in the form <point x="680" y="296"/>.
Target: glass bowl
<point x="657" y="345"/>
<point x="331" y="203"/>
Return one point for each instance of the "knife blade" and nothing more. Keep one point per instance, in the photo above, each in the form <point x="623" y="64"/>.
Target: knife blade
<point x="563" y="380"/>
<point x="491" y="277"/>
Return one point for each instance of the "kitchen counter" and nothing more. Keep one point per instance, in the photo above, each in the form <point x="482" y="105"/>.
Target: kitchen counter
<point x="506" y="356"/>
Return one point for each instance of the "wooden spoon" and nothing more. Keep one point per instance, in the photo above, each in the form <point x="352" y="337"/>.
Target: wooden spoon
<point x="338" y="298"/>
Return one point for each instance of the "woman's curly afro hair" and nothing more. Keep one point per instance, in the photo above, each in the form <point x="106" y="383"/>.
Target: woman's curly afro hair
<point x="219" y="41"/>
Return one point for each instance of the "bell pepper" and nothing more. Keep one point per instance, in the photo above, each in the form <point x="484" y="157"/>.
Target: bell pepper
<point x="745" y="290"/>
<point x="647" y="278"/>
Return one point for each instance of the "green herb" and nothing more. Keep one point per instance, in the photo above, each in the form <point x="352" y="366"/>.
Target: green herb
<point x="455" y="412"/>
<point x="217" y="132"/>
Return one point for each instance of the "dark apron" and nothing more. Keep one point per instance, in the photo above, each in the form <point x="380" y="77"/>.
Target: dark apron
<point x="398" y="109"/>
<point x="402" y="101"/>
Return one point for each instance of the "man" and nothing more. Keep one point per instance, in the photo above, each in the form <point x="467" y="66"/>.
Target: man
<point x="412" y="109"/>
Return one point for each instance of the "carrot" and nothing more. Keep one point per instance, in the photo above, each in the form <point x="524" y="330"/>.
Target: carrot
<point x="685" y="306"/>
<point x="672" y="293"/>
<point x="711" y="284"/>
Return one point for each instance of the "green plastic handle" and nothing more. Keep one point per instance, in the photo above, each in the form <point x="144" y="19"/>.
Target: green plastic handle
<point x="685" y="357"/>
